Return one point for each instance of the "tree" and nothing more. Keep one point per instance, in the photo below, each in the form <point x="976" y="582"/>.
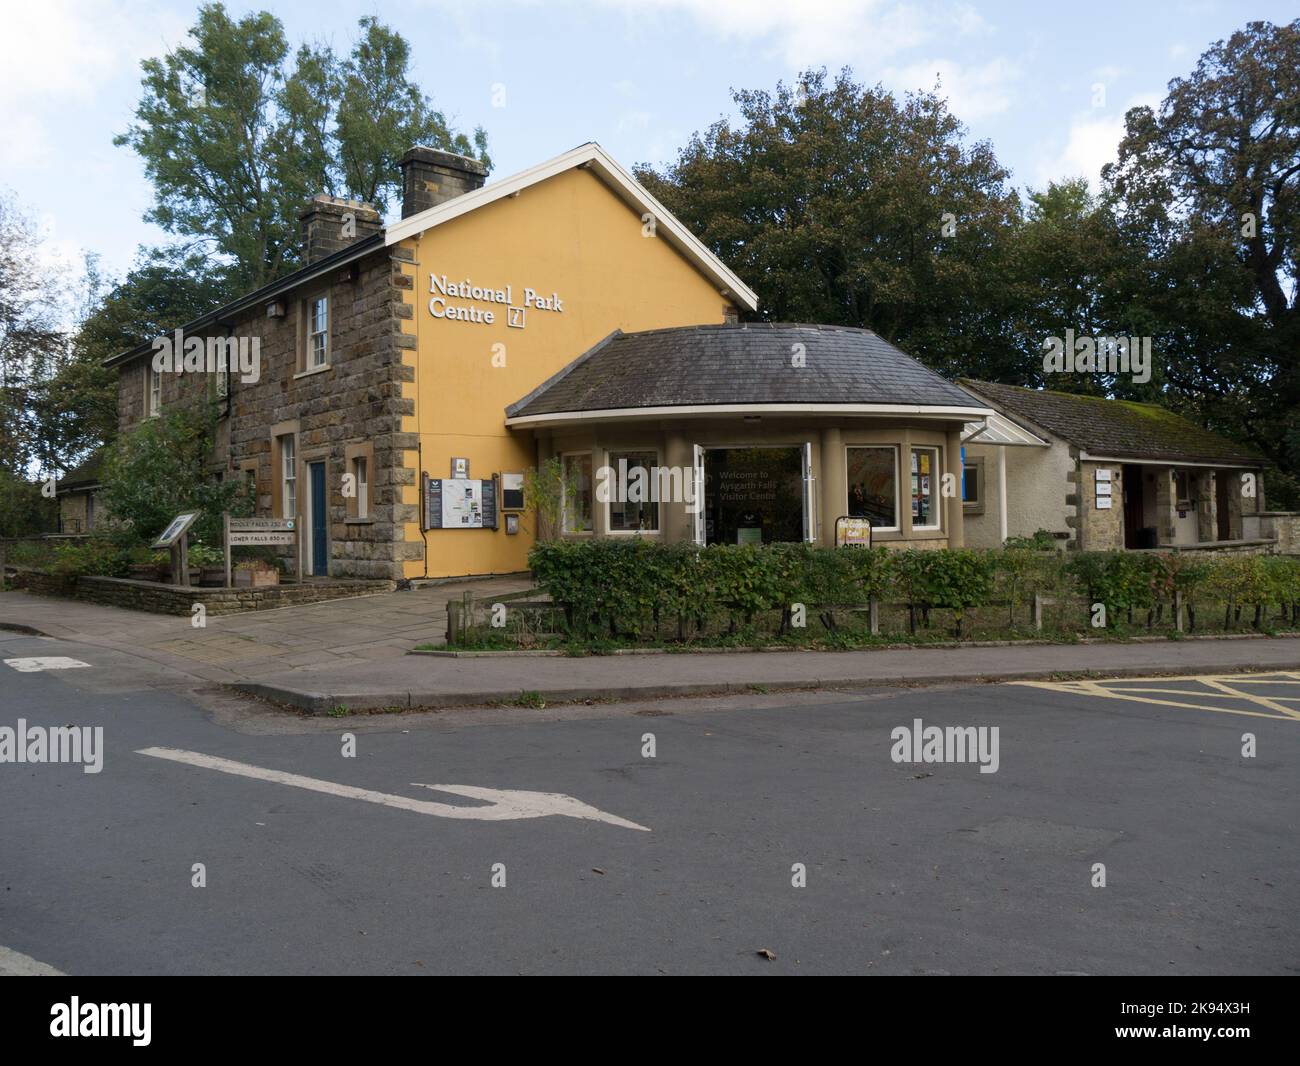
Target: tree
<point x="235" y="141"/>
<point x="77" y="405"/>
<point x="30" y="340"/>
<point x="159" y="469"/>
<point x="846" y="205"/>
<point x="381" y="114"/>
<point x="1206" y="190"/>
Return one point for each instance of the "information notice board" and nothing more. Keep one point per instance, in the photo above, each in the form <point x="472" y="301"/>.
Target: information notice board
<point x="460" y="503"/>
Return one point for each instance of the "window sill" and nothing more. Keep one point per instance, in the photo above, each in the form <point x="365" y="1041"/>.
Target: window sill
<point x="366" y="520"/>
<point x="313" y="370"/>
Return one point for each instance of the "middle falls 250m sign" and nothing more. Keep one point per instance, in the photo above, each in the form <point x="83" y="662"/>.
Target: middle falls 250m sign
<point x="459" y="301"/>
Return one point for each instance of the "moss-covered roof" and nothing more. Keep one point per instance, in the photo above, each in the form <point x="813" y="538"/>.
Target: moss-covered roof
<point x="84" y="475"/>
<point x="1119" y="428"/>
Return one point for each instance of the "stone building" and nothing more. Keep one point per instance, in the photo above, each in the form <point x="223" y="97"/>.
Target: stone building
<point x="1107" y="474"/>
<point x="395" y="405"/>
<point x="78" y="497"/>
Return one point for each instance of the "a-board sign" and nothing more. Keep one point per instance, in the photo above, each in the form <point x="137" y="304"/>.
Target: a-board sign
<point x="178" y="525"/>
<point x="246" y="532"/>
<point x="460" y="503"/>
<point x="852" y="532"/>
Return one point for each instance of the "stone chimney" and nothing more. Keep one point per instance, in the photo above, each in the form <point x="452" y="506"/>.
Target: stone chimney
<point x="330" y="224"/>
<point x="431" y="177"/>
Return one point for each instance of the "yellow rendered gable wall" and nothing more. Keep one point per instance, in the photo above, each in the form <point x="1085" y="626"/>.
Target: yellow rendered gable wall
<point x="569" y="235"/>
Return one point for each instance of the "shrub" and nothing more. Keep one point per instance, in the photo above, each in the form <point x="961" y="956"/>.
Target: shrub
<point x="619" y="588"/>
<point x="160" y="468"/>
<point x="98" y="556"/>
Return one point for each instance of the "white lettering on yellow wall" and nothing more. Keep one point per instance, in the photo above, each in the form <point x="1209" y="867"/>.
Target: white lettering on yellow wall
<point x="445" y="293"/>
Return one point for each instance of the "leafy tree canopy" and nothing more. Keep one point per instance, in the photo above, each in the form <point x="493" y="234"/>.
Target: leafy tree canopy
<point x="235" y="137"/>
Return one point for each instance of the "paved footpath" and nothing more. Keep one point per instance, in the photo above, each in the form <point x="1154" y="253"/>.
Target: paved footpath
<point x="237" y="647"/>
<point x="428" y="681"/>
<point x="353" y="653"/>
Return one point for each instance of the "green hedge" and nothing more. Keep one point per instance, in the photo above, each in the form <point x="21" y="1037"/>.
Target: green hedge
<point x="628" y="589"/>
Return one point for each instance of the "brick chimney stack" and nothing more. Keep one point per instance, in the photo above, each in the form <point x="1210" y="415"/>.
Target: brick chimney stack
<point x="431" y="177"/>
<point x="330" y="224"/>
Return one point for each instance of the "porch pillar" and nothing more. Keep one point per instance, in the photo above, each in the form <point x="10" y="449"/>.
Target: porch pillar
<point x="1002" y="495"/>
<point x="677" y="454"/>
<point x="832" y="484"/>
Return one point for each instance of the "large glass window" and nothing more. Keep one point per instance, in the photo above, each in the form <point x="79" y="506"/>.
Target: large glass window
<point x="577" y="493"/>
<point x="873" y="485"/>
<point x="925" y="497"/>
<point x="631" y="509"/>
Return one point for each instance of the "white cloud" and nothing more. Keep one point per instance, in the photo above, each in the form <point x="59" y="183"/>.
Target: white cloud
<point x="1091" y="143"/>
<point x="973" y="92"/>
<point x="69" y="52"/>
<point x="813" y="33"/>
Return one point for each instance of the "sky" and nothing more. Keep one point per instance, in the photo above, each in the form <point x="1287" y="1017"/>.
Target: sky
<point x="639" y="76"/>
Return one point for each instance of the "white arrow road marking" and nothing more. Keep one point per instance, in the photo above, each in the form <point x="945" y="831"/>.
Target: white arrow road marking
<point x="49" y="662"/>
<point x="16" y="964"/>
<point x="505" y="804"/>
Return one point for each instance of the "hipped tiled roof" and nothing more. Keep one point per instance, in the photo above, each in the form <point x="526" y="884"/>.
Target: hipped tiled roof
<point x="740" y="364"/>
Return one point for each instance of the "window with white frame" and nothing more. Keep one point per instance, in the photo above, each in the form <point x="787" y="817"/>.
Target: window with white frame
<point x="925" y="486"/>
<point x="318" y="332"/>
<point x="873" y="485"/>
<point x="576" y="492"/>
<point x="288" y="476"/>
<point x="155" y="391"/>
<point x="631" y="507"/>
<point x="972" y="485"/>
<point x="361" y="473"/>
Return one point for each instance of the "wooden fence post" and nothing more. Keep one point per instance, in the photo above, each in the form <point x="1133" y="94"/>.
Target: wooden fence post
<point x="1038" y="610"/>
<point x="873" y="614"/>
<point x="1178" y="611"/>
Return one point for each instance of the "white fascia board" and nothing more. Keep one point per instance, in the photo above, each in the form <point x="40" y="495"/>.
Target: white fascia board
<point x="724" y="409"/>
<point x="613" y="175"/>
<point x="1085" y="456"/>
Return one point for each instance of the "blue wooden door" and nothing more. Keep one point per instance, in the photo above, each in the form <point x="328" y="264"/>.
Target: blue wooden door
<point x="319" y="541"/>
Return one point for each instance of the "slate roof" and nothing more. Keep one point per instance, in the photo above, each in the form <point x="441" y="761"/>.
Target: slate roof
<point x="1119" y="428"/>
<point x="84" y="475"/>
<point x="740" y="364"/>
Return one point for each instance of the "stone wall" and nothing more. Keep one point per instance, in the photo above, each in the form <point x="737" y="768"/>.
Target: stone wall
<point x="1283" y="527"/>
<point x="157" y="598"/>
<point x="1098" y="529"/>
<point x="356" y="399"/>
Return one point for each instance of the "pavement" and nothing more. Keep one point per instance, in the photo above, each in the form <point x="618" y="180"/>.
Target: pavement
<point x="237" y="647"/>
<point x="761" y="834"/>
<point x="353" y="654"/>
<point x="427" y="681"/>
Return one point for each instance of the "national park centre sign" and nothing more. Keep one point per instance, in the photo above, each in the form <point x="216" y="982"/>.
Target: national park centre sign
<point x="464" y="301"/>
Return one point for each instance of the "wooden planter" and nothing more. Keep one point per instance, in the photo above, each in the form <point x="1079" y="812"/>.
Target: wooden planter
<point x="145" y="572"/>
<point x="255" y="578"/>
<point x="212" y="577"/>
